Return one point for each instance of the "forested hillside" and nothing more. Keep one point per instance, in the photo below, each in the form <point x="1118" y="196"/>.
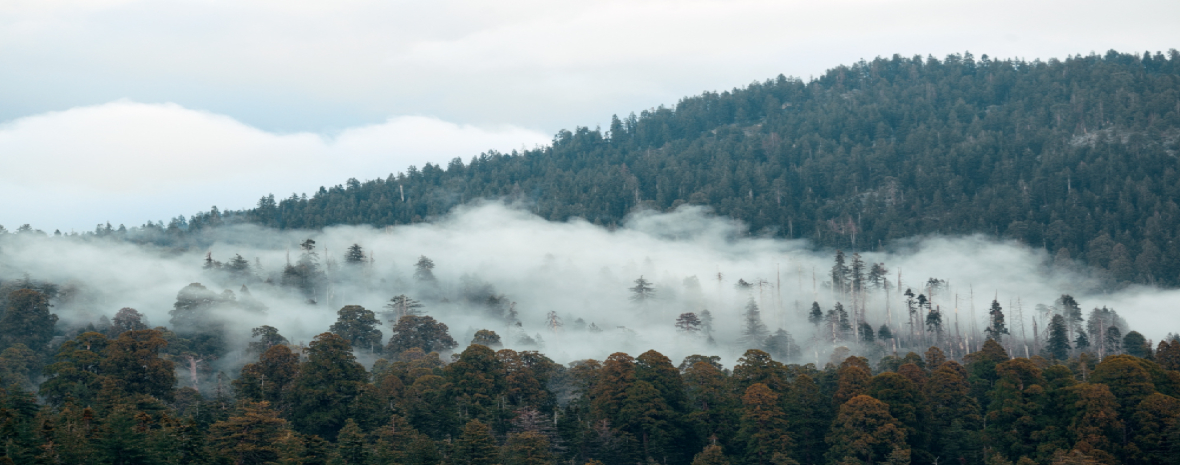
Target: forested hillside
<point x="1076" y="156"/>
<point x="123" y="393"/>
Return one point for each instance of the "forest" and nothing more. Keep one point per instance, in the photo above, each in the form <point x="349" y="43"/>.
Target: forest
<point x="903" y="261"/>
<point x="881" y="372"/>
<point x="1076" y="156"/>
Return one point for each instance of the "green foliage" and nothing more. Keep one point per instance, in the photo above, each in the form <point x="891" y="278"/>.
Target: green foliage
<point x="359" y="326"/>
<point x="1085" y="145"/>
<point x="419" y="332"/>
<point x="329" y="389"/>
<point x="27" y="321"/>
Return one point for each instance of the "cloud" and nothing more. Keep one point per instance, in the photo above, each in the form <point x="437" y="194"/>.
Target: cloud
<point x="579" y="270"/>
<point x="551" y="64"/>
<point x="130" y="162"/>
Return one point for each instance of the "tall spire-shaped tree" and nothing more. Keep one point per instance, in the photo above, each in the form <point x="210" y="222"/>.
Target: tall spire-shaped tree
<point x="996" y="328"/>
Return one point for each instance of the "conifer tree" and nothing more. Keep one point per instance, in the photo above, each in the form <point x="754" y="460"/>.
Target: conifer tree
<point x="642" y="292"/>
<point x="865" y="432"/>
<point x="816" y="315"/>
<point x="1058" y="343"/>
<point x="1136" y="345"/>
<point x="526" y="448"/>
<point x="350" y="445"/>
<point x="688" y="323"/>
<point x="249" y="437"/>
<point x="355" y="255"/>
<point x="711" y="455"/>
<point x="424" y="270"/>
<point x="359" y="326"/>
<point x="764" y="428"/>
<point x="754" y="332"/>
<point x="996" y="328"/>
<point x="401" y="305"/>
<point x="27" y="320"/>
<point x="476" y="446"/>
<point x="487" y="338"/>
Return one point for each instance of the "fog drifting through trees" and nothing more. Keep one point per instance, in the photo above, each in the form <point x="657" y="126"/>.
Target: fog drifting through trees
<point x="575" y="270"/>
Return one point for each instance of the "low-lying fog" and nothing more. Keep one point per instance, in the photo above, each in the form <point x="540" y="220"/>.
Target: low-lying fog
<point x="576" y="269"/>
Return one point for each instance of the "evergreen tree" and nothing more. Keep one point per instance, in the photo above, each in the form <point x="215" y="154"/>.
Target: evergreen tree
<point x="840" y="274"/>
<point x="424" y="270"/>
<point x="327" y="388"/>
<point x="27" y="320"/>
<point x="350" y="445"/>
<point x="269" y="337"/>
<point x="711" y="455"/>
<point x="355" y="255"/>
<point x="642" y="292"/>
<point x="764" y="428"/>
<point x="359" y="326"/>
<point x="864" y="431"/>
<point x="488" y="338"/>
<point x="1136" y="345"/>
<point x="688" y="323"/>
<point x="250" y="437"/>
<point x="421" y="332"/>
<point x="1113" y="341"/>
<point x="816" y="315"/>
<point x="754" y="332"/>
<point x="996" y="328"/>
<point x="526" y="448"/>
<point x="1058" y="344"/>
<point x="133" y="362"/>
<point x="400" y="306"/>
<point x="476" y="446"/>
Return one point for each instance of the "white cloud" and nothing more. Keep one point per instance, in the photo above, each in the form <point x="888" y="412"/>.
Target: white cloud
<point x="551" y="64"/>
<point x="130" y="162"/>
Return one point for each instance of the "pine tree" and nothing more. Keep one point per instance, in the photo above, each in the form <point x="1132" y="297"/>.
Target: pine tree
<point x="424" y="270"/>
<point x="764" y="428"/>
<point x="642" y="292"/>
<point x="488" y="338"/>
<point x="249" y="437"/>
<point x="754" y="332"/>
<point x="1058" y="344"/>
<point x="711" y="455"/>
<point x="476" y="446"/>
<point x="27" y="320"/>
<point x="1136" y="345"/>
<point x="864" y="431"/>
<point x="350" y="445"/>
<point x="707" y="322"/>
<point x="816" y="316"/>
<point x="688" y="323"/>
<point x="355" y="255"/>
<point x="400" y="306"/>
<point x="1113" y="341"/>
<point x="526" y="448"/>
<point x="840" y="274"/>
<point x="422" y="332"/>
<point x="996" y="328"/>
<point x="359" y="326"/>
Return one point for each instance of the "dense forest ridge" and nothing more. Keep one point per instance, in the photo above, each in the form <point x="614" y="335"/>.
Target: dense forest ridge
<point x="1087" y="390"/>
<point x="111" y="396"/>
<point x="1078" y="157"/>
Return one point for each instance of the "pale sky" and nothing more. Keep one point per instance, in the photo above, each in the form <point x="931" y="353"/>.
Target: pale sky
<point x="127" y="111"/>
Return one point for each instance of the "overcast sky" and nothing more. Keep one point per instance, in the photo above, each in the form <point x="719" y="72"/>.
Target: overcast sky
<point x="125" y="110"/>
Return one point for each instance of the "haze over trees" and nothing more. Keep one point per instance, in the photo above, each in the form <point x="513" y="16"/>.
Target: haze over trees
<point x="1074" y="156"/>
<point x="848" y="362"/>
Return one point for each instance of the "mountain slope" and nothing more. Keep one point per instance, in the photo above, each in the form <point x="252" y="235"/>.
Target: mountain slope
<point x="1077" y="156"/>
